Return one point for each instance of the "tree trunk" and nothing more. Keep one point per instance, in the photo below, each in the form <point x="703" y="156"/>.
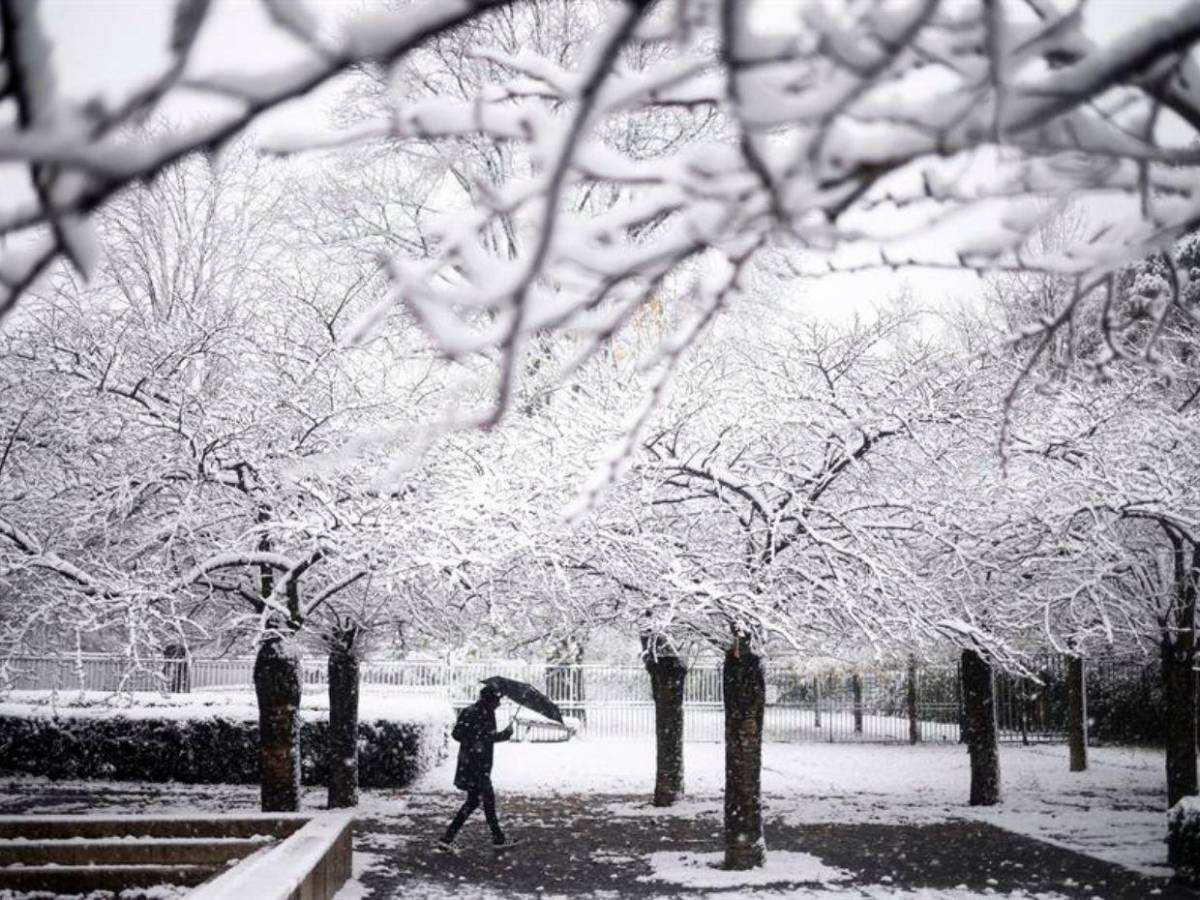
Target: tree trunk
<point x="277" y="685"/>
<point x="1180" y="685"/>
<point x="343" y="720"/>
<point x="914" y="724"/>
<point x="979" y="715"/>
<point x="745" y="699"/>
<point x="1181" y="723"/>
<point x="667" y="674"/>
<point x="1077" y="713"/>
<point x="856" y="686"/>
<point x="1179" y="680"/>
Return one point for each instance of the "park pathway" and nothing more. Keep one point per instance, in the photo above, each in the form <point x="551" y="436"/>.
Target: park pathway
<point x="587" y="846"/>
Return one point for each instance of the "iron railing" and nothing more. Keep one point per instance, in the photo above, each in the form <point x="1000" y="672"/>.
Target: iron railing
<point x="867" y="705"/>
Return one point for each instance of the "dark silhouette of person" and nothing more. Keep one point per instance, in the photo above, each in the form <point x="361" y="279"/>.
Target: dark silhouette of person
<point x="475" y="731"/>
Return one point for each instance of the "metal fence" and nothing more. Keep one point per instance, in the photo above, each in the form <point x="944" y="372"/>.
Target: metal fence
<point x="845" y="705"/>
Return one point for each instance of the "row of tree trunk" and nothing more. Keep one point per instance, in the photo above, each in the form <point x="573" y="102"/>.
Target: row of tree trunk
<point x="856" y="692"/>
<point x="277" y="688"/>
<point x="745" y="702"/>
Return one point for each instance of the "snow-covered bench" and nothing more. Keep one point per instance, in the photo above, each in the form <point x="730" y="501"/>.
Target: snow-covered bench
<point x="305" y="855"/>
<point x="311" y="864"/>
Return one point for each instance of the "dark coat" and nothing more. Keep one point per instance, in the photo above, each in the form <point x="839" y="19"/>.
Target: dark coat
<point x="475" y="732"/>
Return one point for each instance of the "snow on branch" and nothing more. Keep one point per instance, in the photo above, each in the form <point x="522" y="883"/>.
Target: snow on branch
<point x="843" y="137"/>
<point x="232" y="560"/>
<point x="93" y="150"/>
<point x="37" y="558"/>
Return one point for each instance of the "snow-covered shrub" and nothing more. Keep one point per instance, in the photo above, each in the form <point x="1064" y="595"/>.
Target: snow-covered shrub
<point x="207" y="739"/>
<point x="1183" y="836"/>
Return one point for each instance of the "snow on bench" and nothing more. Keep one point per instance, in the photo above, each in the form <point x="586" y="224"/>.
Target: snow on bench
<point x="311" y="864"/>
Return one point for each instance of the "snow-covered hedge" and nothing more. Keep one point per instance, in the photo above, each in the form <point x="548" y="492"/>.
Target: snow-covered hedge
<point x="206" y="738"/>
<point x="1183" y="836"/>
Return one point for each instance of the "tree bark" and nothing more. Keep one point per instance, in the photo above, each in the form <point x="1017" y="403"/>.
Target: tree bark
<point x="1077" y="713"/>
<point x="343" y="720"/>
<point x="277" y="686"/>
<point x="979" y="716"/>
<point x="856" y="686"/>
<point x="1181" y="722"/>
<point x="667" y="675"/>
<point x="745" y="699"/>
<point x="914" y="724"/>
<point x="1179" y="679"/>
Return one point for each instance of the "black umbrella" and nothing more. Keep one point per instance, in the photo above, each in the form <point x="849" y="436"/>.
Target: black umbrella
<point x="526" y="695"/>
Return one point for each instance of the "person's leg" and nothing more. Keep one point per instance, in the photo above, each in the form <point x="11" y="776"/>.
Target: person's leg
<point x="489" y="811"/>
<point x="462" y="815"/>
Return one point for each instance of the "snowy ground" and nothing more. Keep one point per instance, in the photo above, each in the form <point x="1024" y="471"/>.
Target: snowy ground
<point x="868" y="795"/>
<point x="1115" y="811"/>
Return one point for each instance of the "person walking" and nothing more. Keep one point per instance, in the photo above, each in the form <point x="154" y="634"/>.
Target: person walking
<point x="475" y="731"/>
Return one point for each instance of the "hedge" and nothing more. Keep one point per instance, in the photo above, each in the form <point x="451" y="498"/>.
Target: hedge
<point x="210" y="750"/>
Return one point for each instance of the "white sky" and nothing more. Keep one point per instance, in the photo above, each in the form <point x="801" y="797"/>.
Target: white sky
<point x="114" y="43"/>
